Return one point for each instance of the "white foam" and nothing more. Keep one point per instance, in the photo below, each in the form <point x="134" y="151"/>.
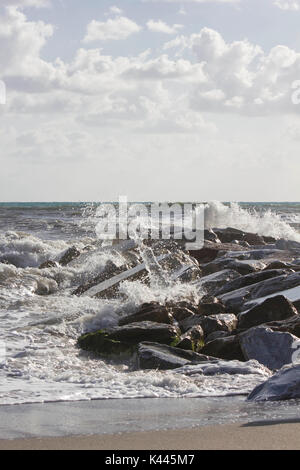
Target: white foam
<point x="267" y="223"/>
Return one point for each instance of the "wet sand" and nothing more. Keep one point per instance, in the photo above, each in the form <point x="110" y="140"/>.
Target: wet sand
<point x="283" y="435"/>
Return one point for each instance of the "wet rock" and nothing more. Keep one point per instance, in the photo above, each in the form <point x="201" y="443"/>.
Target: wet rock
<point x="69" y="255"/>
<point x="283" y="244"/>
<point x="213" y="282"/>
<point x="284" y="385"/>
<point x="228" y="235"/>
<point x="192" y="340"/>
<point x="270" y="348"/>
<point x="205" y="255"/>
<point x="181" y="313"/>
<point x="248" y="280"/>
<point x="99" y="343"/>
<point x="223" y="322"/>
<point x="235" y="301"/>
<point x="211" y="236"/>
<point x="162" y="357"/>
<point x="135" y="333"/>
<point x="224" y="348"/>
<point x="211" y="308"/>
<point x="217" y="335"/>
<point x="149" y="312"/>
<point x="272" y="309"/>
<point x="291" y="325"/>
<point x="243" y="267"/>
<point x="48" y="264"/>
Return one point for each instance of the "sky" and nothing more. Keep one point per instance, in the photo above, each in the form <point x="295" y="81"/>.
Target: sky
<point x="156" y="100"/>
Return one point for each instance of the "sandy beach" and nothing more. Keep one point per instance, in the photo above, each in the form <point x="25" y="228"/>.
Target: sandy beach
<point x="274" y="435"/>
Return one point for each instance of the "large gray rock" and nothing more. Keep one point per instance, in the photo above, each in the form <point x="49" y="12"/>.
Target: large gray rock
<point x="213" y="282"/>
<point x="230" y="234"/>
<point x="235" y="300"/>
<point x="158" y="356"/>
<point x="224" y="348"/>
<point x="149" y="312"/>
<point x="272" y="349"/>
<point x="284" y="385"/>
<point x="224" y="322"/>
<point x="272" y="309"/>
<point x="135" y="333"/>
<point x="241" y="266"/>
<point x="249" y="280"/>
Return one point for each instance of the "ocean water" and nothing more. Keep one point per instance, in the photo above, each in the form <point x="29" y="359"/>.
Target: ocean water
<point x="40" y="319"/>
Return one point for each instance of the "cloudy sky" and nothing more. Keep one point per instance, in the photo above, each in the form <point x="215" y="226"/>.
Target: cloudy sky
<point x="153" y="99"/>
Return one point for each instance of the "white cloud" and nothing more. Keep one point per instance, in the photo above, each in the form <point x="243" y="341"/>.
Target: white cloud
<point x="293" y="5"/>
<point x="115" y="10"/>
<point x="193" y="1"/>
<point x="26" y="3"/>
<point x="160" y="26"/>
<point x="113" y="29"/>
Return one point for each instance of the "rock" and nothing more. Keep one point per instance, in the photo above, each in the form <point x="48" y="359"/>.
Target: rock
<point x="205" y="255"/>
<point x="48" y="264"/>
<point x="272" y="349"/>
<point x="291" y="325"/>
<point x="269" y="239"/>
<point x="211" y="236"/>
<point x="99" y="343"/>
<point x="213" y="282"/>
<point x="135" y="333"/>
<point x="211" y="308"/>
<point x="162" y="357"/>
<point x="234" y="301"/>
<point x="284" y="385"/>
<point x="224" y="348"/>
<point x="149" y="312"/>
<point x="228" y="235"/>
<point x="110" y="270"/>
<point x="283" y="244"/>
<point x="243" y="267"/>
<point x="272" y="309"/>
<point x="181" y="314"/>
<point x="192" y="340"/>
<point x="69" y="255"/>
<point x="248" y="280"/>
<point x="217" y="335"/>
<point x="277" y="265"/>
<point x="223" y="322"/>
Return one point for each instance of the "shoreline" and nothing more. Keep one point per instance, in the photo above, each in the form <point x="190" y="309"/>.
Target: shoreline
<point x="264" y="435"/>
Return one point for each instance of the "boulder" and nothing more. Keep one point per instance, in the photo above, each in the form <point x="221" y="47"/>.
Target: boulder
<point x="213" y="282"/>
<point x="272" y="309"/>
<point x="284" y="385"/>
<point x="99" y="343"/>
<point x="249" y="280"/>
<point x="69" y="255"/>
<point x="224" y="348"/>
<point x="234" y="301"/>
<point x="228" y="235"/>
<point x="291" y="325"/>
<point x="242" y="267"/>
<point x="192" y="340"/>
<point x="223" y="322"/>
<point x="217" y="335"/>
<point x="135" y="333"/>
<point x="149" y="312"/>
<point x="211" y="308"/>
<point x="162" y="357"/>
<point x="270" y="348"/>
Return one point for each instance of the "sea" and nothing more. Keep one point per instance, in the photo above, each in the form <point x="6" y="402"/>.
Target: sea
<point x="41" y="320"/>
